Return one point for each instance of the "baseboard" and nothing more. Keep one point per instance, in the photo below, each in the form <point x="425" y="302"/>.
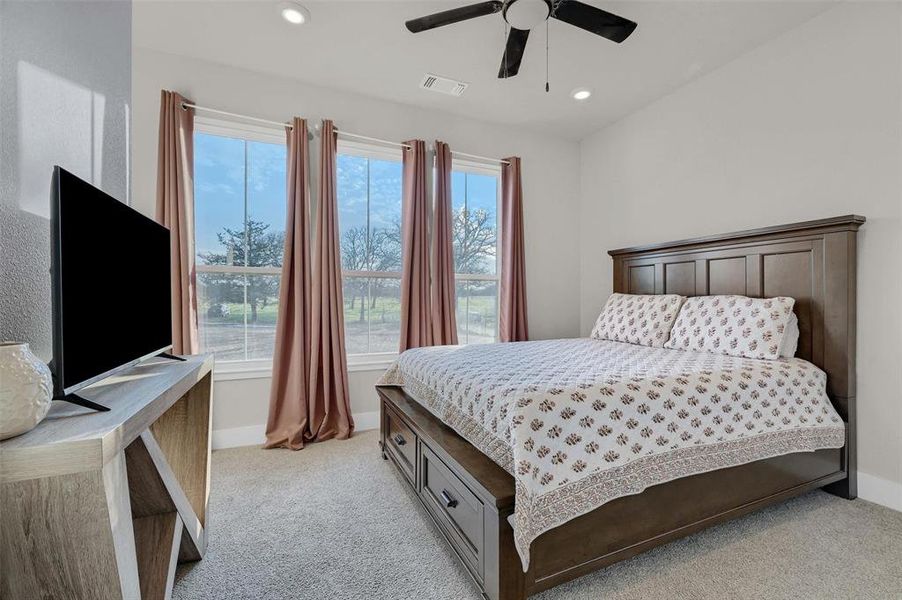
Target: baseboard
<point x="364" y="421"/>
<point x="880" y="491"/>
<point x="253" y="435"/>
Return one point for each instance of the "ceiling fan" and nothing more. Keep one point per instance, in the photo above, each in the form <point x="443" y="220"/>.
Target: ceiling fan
<point x="523" y="15"/>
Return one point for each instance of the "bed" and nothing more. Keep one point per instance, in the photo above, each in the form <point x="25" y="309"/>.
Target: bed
<point x="443" y="412"/>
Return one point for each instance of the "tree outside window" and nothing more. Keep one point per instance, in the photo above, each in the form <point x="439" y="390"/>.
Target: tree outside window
<point x="475" y="193"/>
<point x="369" y="219"/>
<point x="239" y="198"/>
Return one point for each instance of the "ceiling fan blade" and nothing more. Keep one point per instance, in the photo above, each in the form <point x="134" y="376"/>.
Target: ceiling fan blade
<point x="599" y="22"/>
<point x="513" y="53"/>
<point x="455" y="15"/>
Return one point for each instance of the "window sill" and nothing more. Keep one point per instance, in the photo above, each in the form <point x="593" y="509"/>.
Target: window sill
<point x="244" y="369"/>
<point x="371" y="362"/>
<point x="262" y="369"/>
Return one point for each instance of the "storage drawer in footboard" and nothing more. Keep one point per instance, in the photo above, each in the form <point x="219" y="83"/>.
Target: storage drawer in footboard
<point x="456" y="509"/>
<point x="400" y="443"/>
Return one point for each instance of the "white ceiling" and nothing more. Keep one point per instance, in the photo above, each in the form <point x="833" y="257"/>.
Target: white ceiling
<point x="364" y="47"/>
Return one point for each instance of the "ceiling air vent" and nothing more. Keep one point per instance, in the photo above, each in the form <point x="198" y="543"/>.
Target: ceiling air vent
<point x="443" y="85"/>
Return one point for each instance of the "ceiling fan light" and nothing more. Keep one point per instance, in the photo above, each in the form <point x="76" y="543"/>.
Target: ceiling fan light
<point x="526" y="14"/>
<point x="294" y="13"/>
<point x="581" y="94"/>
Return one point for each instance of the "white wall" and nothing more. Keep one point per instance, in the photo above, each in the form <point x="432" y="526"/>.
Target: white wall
<point x="550" y="183"/>
<point x="807" y="126"/>
<point x="65" y="68"/>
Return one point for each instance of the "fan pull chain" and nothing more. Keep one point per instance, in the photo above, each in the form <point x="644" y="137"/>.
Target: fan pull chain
<point x="547" y="87"/>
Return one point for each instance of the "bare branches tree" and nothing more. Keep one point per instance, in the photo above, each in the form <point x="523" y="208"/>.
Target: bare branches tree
<point x="474" y="241"/>
<point x="355" y="257"/>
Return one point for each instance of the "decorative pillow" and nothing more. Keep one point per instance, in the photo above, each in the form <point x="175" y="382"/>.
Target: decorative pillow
<point x="638" y="319"/>
<point x="791" y="339"/>
<point x="733" y="325"/>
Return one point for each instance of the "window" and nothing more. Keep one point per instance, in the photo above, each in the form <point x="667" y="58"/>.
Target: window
<point x="369" y="220"/>
<point x="475" y="196"/>
<point x="239" y="216"/>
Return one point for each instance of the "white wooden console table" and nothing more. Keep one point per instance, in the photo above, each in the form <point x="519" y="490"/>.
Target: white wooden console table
<point x="102" y="505"/>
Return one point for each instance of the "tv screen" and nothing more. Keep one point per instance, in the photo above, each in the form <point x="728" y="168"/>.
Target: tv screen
<point x="110" y="284"/>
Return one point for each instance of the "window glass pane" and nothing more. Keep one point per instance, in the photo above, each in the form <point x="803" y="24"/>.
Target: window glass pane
<point x="458" y="190"/>
<point x="261" y="312"/>
<point x="372" y="311"/>
<point x="482" y="209"/>
<point x="266" y="203"/>
<point x="218" y="198"/>
<point x="475" y="222"/>
<point x="458" y="215"/>
<point x="385" y="215"/>
<point x="482" y="312"/>
<point x="475" y="234"/>
<point x="352" y="175"/>
<point x="240" y="204"/>
<point x="385" y="314"/>
<point x="369" y="213"/>
<point x="461" y="310"/>
<point x="354" y="291"/>
<point x="477" y="311"/>
<point x="220" y="314"/>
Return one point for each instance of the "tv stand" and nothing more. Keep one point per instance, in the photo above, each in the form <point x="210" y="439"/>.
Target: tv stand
<point x="103" y="505"/>
<point x="81" y="401"/>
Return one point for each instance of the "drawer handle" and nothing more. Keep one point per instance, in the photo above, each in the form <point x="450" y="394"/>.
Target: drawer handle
<point x="449" y="500"/>
<point x="399" y="439"/>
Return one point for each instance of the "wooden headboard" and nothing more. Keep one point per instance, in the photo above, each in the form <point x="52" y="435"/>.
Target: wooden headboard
<point x="813" y="262"/>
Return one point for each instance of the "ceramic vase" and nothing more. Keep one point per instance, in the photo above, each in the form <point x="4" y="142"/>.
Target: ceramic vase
<point x="25" y="389"/>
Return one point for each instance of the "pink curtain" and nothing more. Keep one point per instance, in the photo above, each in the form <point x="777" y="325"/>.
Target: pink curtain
<point x="416" y="326"/>
<point x="444" y="320"/>
<point x="175" y="210"/>
<point x="512" y="320"/>
<point x="329" y="405"/>
<point x="289" y="424"/>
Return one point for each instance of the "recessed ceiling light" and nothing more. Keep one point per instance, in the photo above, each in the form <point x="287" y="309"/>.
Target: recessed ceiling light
<point x="580" y="94"/>
<point x="294" y="13"/>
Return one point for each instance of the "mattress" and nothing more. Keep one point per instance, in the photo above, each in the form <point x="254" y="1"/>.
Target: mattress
<point x="580" y="422"/>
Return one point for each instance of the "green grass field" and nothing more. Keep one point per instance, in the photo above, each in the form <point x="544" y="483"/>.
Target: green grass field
<point x="265" y="316"/>
<point x="388" y="310"/>
<point x="384" y="310"/>
<point x="377" y="332"/>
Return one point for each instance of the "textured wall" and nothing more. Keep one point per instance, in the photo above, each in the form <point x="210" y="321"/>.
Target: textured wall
<point x="66" y="73"/>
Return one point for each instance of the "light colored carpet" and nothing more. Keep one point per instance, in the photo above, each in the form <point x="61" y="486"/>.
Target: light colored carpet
<point x="335" y="521"/>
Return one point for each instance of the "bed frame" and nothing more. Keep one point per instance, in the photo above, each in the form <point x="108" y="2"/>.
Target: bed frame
<point x="470" y="498"/>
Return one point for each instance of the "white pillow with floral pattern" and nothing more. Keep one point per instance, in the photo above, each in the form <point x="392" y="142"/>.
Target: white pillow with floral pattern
<point x="638" y="319"/>
<point x="733" y="325"/>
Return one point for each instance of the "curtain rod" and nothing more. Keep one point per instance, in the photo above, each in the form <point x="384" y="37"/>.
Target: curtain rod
<point x="231" y="114"/>
<point x="367" y="138"/>
<point x="186" y="105"/>
<point x="487" y="158"/>
<point x="318" y="128"/>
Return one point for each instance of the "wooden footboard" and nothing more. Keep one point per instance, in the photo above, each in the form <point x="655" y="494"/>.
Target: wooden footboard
<point x="470" y="498"/>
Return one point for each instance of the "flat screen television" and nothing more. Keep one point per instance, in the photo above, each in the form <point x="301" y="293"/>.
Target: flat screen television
<point x="110" y="286"/>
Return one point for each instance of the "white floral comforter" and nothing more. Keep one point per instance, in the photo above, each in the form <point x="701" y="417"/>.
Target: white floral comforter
<point x="581" y="422"/>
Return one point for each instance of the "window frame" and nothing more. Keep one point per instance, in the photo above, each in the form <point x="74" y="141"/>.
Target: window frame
<point x="366" y="361"/>
<point x="253" y="368"/>
<point x="481" y="168"/>
<point x="262" y="368"/>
